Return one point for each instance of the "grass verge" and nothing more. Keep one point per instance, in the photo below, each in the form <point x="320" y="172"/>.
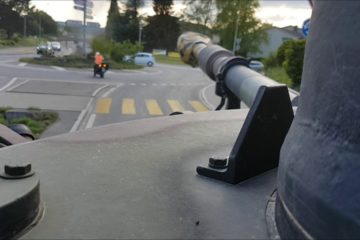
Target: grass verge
<point x="278" y="74"/>
<point x="21" y="42"/>
<point x="75" y="62"/>
<point x="38" y="122"/>
<point x="175" y="60"/>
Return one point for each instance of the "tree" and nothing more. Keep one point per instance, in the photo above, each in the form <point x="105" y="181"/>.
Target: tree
<point x="112" y="19"/>
<point x="163" y="7"/>
<point x="17" y="5"/>
<point x="10" y="20"/>
<point x="241" y="14"/>
<point x="39" y="22"/>
<point x="163" y="29"/>
<point x="128" y="24"/>
<point x="201" y="12"/>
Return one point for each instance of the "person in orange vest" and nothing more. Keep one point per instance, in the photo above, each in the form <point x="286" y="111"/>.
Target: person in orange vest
<point x="99" y="59"/>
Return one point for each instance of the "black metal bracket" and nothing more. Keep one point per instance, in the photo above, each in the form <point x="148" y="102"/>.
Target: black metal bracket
<point x="220" y="88"/>
<point x="257" y="147"/>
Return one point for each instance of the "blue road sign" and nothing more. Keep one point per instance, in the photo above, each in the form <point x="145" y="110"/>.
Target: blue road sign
<point x="89" y="4"/>
<point x="306" y="27"/>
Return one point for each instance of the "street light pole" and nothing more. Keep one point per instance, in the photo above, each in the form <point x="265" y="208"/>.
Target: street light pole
<point x="140" y="30"/>
<point x="84" y="43"/>
<point x="235" y="36"/>
<point x="24" y="26"/>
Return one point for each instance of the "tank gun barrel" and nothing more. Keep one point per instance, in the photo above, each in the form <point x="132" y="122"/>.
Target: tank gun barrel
<point x="232" y="74"/>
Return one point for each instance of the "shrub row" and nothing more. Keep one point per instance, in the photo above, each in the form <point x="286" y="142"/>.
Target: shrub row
<point x="290" y="56"/>
<point x="116" y="51"/>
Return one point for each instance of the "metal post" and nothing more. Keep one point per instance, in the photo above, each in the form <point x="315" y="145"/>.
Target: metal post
<point x="84" y="28"/>
<point x="39" y="27"/>
<point x="235" y="36"/>
<point x="24" y="26"/>
<point x="140" y="29"/>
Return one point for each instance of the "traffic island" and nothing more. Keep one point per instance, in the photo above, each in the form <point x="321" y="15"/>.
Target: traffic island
<point x="74" y="61"/>
<point x="35" y="119"/>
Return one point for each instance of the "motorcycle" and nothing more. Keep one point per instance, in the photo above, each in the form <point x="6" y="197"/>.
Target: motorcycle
<point x="100" y="69"/>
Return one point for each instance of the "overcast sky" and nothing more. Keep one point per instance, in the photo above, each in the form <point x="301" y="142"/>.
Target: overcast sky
<point x="279" y="13"/>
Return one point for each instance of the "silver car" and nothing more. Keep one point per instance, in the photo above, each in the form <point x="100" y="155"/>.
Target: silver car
<point x="56" y="46"/>
<point x="256" y="65"/>
<point x="146" y="59"/>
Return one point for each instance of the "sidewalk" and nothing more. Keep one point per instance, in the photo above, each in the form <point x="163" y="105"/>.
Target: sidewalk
<point x="17" y="50"/>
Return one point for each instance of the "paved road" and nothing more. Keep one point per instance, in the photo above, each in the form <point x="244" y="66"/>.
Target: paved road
<point x="86" y="102"/>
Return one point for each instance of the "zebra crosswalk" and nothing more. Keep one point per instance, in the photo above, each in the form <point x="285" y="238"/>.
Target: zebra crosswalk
<point x="128" y="106"/>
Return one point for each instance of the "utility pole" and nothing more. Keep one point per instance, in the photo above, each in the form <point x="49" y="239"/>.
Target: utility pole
<point x="84" y="43"/>
<point x="140" y="29"/>
<point x="39" y="26"/>
<point x="24" y="26"/>
<point x="235" y="36"/>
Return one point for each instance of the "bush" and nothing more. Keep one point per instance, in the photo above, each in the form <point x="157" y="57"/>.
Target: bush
<point x="101" y="44"/>
<point x="119" y="50"/>
<point x="114" y="50"/>
<point x="271" y="61"/>
<point x="280" y="55"/>
<point x="294" y="60"/>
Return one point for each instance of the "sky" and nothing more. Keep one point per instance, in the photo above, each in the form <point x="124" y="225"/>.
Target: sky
<point x="279" y="13"/>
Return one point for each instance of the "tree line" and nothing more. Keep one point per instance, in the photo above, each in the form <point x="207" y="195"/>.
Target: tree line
<point x="16" y="16"/>
<point x="212" y="17"/>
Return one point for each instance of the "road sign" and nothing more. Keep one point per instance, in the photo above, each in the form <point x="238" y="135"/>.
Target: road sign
<point x="89" y="4"/>
<point x="306" y="27"/>
<point x="88" y="11"/>
<point x="89" y="17"/>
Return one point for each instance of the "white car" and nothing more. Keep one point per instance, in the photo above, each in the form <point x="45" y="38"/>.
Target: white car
<point x="256" y="65"/>
<point x="146" y="59"/>
<point x="56" y="46"/>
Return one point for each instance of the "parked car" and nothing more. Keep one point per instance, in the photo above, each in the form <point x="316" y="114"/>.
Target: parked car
<point x="256" y="65"/>
<point x="45" y="49"/>
<point x="56" y="46"/>
<point x="145" y="59"/>
<point x="128" y="59"/>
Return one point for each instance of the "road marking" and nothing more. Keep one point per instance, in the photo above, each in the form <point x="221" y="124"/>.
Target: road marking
<point x="8" y="84"/>
<point x="58" y="68"/>
<point x="91" y="121"/>
<point x="22" y="64"/>
<point x="103" y="105"/>
<point x="153" y="107"/>
<point x="172" y="84"/>
<point x="143" y="84"/>
<point x="163" y="84"/>
<point x="98" y="90"/>
<point x="204" y="98"/>
<point x="198" y="106"/>
<point x="81" y="116"/>
<point x="110" y="91"/>
<point x="17" y="85"/>
<point x="132" y="84"/>
<point x="128" y="106"/>
<point x="175" y="106"/>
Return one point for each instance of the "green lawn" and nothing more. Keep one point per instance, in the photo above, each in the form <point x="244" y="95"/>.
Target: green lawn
<point x="40" y="121"/>
<point x="21" y="42"/>
<point x="278" y="74"/>
<point x="169" y="60"/>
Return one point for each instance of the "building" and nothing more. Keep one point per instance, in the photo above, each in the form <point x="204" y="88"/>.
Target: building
<point x="276" y="37"/>
<point x="74" y="29"/>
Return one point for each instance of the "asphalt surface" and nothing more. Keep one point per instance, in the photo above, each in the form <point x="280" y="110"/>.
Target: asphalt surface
<point x="86" y="102"/>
